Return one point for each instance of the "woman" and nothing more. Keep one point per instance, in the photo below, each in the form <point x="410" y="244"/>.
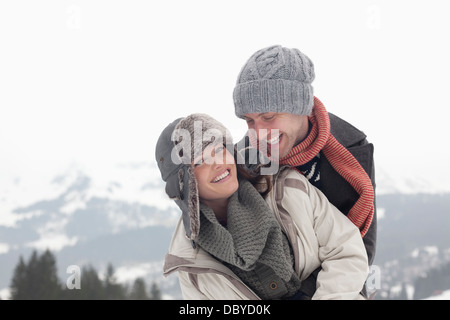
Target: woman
<point x="233" y="243"/>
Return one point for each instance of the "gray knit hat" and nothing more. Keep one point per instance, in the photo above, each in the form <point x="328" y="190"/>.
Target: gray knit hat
<point x="175" y="164"/>
<point x="275" y="79"/>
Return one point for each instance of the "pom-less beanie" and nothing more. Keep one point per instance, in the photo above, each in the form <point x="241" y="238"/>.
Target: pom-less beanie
<point x="275" y="79"/>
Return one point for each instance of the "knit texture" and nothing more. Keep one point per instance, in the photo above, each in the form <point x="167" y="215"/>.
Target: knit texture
<point x="252" y="244"/>
<point x="275" y="79"/>
<point x="321" y="139"/>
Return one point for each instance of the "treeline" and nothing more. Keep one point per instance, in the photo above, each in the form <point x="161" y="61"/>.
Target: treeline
<point x="434" y="281"/>
<point x="37" y="279"/>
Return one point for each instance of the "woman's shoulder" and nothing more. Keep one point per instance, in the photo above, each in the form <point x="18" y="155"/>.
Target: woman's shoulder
<point x="291" y="178"/>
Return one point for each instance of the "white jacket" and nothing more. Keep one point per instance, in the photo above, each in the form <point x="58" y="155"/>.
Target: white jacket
<point x="319" y="234"/>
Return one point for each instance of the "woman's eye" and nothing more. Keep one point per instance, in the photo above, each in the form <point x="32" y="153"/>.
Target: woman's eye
<point x="219" y="149"/>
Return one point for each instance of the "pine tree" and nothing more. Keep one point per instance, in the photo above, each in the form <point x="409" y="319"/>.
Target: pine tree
<point x="37" y="279"/>
<point x="49" y="284"/>
<point x="92" y="286"/>
<point x="19" y="281"/>
<point x="155" y="293"/>
<point x="139" y="290"/>
<point x="403" y="294"/>
<point x="32" y="276"/>
<point x="113" y="290"/>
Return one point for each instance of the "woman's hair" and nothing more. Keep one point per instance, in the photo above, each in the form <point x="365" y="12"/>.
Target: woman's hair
<point x="262" y="183"/>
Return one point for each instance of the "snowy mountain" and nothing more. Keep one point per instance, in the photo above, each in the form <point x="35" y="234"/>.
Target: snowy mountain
<point x="412" y="239"/>
<point x="117" y="215"/>
<point x="388" y="182"/>
<point x="120" y="214"/>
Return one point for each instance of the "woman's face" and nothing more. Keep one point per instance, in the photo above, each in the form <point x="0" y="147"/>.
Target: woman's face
<point x="216" y="174"/>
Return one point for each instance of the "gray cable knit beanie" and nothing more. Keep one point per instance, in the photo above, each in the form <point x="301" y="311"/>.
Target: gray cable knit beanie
<point x="275" y="79"/>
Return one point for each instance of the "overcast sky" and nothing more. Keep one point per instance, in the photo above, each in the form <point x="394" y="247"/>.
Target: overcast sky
<point x="95" y="82"/>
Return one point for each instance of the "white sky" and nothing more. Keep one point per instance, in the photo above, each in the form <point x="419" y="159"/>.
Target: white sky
<point x="96" y="81"/>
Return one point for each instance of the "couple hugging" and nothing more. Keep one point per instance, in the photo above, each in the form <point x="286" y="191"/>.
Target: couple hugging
<point x="297" y="221"/>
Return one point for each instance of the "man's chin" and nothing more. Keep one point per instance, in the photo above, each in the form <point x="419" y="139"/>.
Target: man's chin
<point x="275" y="157"/>
<point x="281" y="153"/>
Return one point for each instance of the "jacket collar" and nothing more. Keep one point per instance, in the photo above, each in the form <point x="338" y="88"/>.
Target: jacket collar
<point x="344" y="132"/>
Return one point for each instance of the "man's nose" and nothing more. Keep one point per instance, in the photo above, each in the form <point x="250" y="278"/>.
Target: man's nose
<point x="261" y="131"/>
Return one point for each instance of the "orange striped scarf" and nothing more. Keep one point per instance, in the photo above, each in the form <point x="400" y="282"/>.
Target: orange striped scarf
<point x="320" y="138"/>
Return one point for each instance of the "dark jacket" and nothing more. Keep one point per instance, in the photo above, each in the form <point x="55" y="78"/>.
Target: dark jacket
<point x="338" y="191"/>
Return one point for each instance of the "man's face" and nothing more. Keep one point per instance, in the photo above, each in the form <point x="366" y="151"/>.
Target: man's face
<point x="291" y="129"/>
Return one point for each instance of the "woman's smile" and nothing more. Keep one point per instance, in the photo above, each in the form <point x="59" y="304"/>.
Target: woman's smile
<point x="222" y="177"/>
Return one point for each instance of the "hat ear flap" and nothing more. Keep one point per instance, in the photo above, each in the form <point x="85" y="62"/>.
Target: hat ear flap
<point x="172" y="188"/>
<point x="181" y="186"/>
<point x="193" y="204"/>
<point x="184" y="187"/>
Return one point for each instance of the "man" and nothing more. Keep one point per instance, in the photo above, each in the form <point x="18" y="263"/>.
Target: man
<point x="274" y="92"/>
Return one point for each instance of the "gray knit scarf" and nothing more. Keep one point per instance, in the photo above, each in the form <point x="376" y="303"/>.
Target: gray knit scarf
<point x="253" y="244"/>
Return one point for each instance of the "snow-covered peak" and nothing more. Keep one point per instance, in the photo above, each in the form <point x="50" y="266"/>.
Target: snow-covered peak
<point x="136" y="183"/>
<point x="417" y="182"/>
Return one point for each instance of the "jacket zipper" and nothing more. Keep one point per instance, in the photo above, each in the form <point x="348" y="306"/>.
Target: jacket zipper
<point x="288" y="228"/>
